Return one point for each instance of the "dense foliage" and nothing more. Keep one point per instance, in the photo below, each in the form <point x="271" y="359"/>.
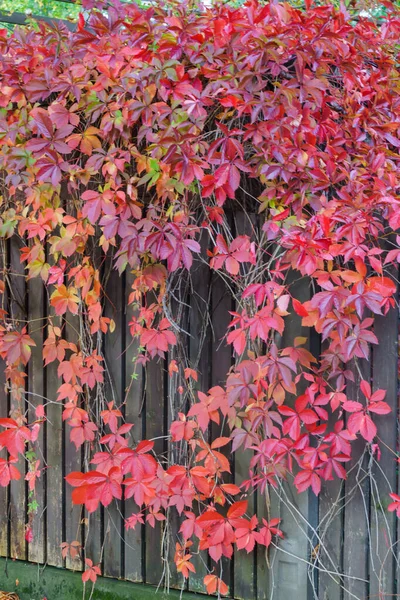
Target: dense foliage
<point x="138" y="137"/>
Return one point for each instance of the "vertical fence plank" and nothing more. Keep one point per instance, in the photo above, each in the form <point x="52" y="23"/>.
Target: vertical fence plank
<point x="397" y="523"/>
<point x="244" y="563"/>
<point x="93" y="530"/>
<point x="54" y="473"/>
<point x="155" y="418"/>
<point x="289" y="574"/>
<point x="221" y="361"/>
<point x="329" y="555"/>
<point x="356" y="517"/>
<point x="177" y="402"/>
<point x="36" y="389"/>
<point x="93" y="536"/>
<point x="17" y="488"/>
<point x="134" y="385"/>
<point x="114" y="357"/>
<point x="264" y="558"/>
<point x="174" y="400"/>
<point x="263" y="555"/>
<point x="199" y="352"/>
<point x="330" y="530"/>
<point x="4" y="491"/>
<point x="72" y="462"/>
<point x="172" y="536"/>
<point x="244" y="576"/>
<point x="383" y="474"/>
<point x="72" y="457"/>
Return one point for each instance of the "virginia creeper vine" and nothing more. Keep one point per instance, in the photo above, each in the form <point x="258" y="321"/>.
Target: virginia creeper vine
<point x="141" y="136"/>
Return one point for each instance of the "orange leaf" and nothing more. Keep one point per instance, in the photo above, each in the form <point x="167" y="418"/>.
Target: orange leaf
<point x="214" y="583"/>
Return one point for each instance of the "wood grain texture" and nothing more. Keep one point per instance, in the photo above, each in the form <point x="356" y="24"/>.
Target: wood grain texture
<point x="36" y="390"/>
<point x="221" y="362"/>
<point x="289" y="574"/>
<point x="54" y="476"/>
<point x="93" y="531"/>
<point x="17" y="489"/>
<point x="382" y="565"/>
<point x="355" y="524"/>
<point x="134" y="397"/>
<point x="114" y="361"/>
<point x="155" y="415"/>
<point x="4" y="491"/>
<point x="73" y="514"/>
<point x="331" y="533"/>
<point x="244" y="563"/>
<point x="329" y="555"/>
<point x="155" y="428"/>
<point x="199" y="352"/>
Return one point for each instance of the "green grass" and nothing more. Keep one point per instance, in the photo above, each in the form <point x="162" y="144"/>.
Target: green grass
<point x="33" y="582"/>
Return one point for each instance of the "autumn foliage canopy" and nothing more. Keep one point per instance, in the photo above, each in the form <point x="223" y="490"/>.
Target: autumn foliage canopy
<point x="138" y="137"/>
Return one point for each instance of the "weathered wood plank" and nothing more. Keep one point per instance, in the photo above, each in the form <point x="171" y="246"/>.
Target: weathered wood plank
<point x="263" y="555"/>
<point x="154" y="428"/>
<point x="356" y="518"/>
<point x="55" y="444"/>
<point x="330" y="529"/>
<point x="4" y="523"/>
<point x="199" y="352"/>
<point x="176" y="402"/>
<point x="289" y="571"/>
<point x="134" y="396"/>
<point x="36" y="389"/>
<point x="221" y="361"/>
<point x="383" y="475"/>
<point x="93" y="530"/>
<point x="331" y="533"/>
<point x="244" y="563"/>
<point x="397" y="524"/>
<point x="17" y="491"/>
<point x="114" y="357"/>
<point x="54" y="472"/>
<point x="74" y="514"/>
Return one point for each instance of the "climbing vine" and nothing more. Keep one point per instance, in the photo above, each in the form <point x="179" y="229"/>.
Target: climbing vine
<point x="132" y="144"/>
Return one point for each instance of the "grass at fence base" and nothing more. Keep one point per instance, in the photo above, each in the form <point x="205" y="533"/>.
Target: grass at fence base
<point x="33" y="582"/>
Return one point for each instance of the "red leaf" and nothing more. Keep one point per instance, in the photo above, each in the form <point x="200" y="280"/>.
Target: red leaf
<point x="299" y="308"/>
<point x="368" y="428"/>
<point x="237" y="509"/>
<point x="365" y="388"/>
<point x="380" y="408"/>
<point x="209" y="516"/>
<point x="14" y="437"/>
<point x="352" y="406"/>
<point x="8" y="471"/>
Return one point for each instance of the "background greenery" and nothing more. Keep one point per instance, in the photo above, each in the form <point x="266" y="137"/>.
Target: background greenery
<point x="58" y="9"/>
<point x="69" y="9"/>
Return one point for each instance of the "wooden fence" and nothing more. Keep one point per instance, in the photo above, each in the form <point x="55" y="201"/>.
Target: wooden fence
<point x="339" y="546"/>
